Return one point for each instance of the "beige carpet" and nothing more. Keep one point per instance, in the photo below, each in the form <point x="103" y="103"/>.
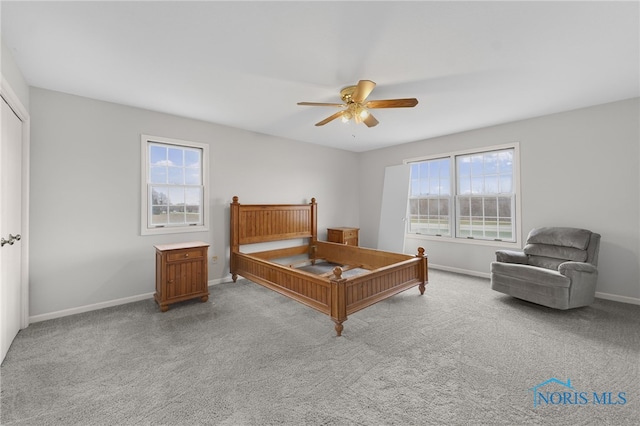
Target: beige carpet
<point x="460" y="355"/>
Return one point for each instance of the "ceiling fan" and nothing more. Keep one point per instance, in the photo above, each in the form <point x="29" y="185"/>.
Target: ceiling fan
<point x="357" y="107"/>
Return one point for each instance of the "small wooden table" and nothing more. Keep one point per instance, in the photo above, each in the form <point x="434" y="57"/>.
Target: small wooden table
<point x="343" y="235"/>
<point x="181" y="273"/>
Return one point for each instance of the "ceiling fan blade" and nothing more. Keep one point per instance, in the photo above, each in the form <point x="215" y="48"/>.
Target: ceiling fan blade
<point x="370" y="121"/>
<point x="362" y="90"/>
<point x="392" y="103"/>
<point x="330" y="118"/>
<point x="321" y="104"/>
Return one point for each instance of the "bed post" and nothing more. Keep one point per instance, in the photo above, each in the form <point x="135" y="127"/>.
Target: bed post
<point x="314" y="231"/>
<point x="234" y="246"/>
<point x="314" y="221"/>
<point x="424" y="271"/>
<point x="338" y="299"/>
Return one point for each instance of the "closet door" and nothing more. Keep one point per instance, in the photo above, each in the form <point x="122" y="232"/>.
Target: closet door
<point x="10" y="227"/>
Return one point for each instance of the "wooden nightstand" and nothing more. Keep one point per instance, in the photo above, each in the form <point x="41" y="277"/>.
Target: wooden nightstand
<point x="343" y="235"/>
<point x="181" y="273"/>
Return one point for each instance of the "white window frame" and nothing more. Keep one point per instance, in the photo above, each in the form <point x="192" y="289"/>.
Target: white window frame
<point x="145" y="227"/>
<point x="449" y="198"/>
<point x="453" y="210"/>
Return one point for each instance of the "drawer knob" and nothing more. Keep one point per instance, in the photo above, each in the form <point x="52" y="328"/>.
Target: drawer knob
<point x="186" y="255"/>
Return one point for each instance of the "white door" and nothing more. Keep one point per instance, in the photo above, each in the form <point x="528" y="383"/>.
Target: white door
<point x="393" y="215"/>
<point x="10" y="227"/>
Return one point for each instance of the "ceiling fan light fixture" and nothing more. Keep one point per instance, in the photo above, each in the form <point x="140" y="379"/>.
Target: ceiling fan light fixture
<point x="355" y="112"/>
<point x="357" y="107"/>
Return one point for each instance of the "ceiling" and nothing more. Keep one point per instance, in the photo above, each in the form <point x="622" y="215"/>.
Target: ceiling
<point x="247" y="64"/>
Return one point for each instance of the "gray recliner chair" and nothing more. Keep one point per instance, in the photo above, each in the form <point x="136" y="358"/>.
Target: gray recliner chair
<point x="557" y="268"/>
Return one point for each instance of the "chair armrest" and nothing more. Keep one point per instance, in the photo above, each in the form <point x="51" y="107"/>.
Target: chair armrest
<point x="510" y="256"/>
<point x="569" y="268"/>
<point x="584" y="277"/>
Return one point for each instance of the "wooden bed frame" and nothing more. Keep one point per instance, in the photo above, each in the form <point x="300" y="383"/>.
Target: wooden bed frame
<point x="386" y="273"/>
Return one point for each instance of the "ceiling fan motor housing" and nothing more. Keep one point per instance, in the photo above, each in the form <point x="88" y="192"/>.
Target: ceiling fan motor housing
<point x="347" y="93"/>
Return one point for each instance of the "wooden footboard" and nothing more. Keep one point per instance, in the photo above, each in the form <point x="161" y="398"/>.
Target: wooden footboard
<point x="359" y="292"/>
<point x="366" y="290"/>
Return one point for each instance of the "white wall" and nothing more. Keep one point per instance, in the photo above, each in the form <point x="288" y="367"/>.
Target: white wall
<point x="12" y="74"/>
<point x="579" y="168"/>
<point x="86" y="246"/>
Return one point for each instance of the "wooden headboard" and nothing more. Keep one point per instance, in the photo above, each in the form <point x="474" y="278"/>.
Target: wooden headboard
<point x="258" y="223"/>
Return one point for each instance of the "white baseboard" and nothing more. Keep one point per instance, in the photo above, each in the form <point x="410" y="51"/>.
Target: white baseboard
<point x="460" y="271"/>
<point x="616" y="298"/>
<point x="87" y="308"/>
<point x="220" y="281"/>
<point x="102" y="305"/>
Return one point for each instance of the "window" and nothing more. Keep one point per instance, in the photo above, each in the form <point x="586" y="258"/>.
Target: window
<point x="484" y="188"/>
<point x="174" y="193"/>
<point x="430" y="197"/>
<point x="485" y="195"/>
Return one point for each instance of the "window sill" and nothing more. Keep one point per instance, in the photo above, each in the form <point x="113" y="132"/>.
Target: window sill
<point x="472" y="241"/>
<point x="173" y="230"/>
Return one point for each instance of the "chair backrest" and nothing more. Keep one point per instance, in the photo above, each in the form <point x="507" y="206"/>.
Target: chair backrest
<point x="550" y="246"/>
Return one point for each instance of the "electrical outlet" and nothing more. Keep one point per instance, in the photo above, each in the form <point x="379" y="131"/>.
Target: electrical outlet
<point x="214" y="259"/>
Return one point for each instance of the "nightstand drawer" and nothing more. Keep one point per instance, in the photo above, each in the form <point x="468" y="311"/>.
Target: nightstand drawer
<point x="350" y="234"/>
<point x="185" y="255"/>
